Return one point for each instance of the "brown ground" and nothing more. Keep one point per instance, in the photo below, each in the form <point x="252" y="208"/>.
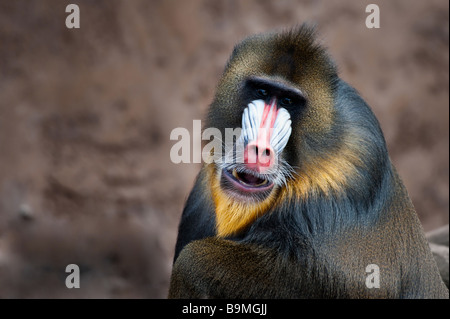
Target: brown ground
<point x="86" y="114"/>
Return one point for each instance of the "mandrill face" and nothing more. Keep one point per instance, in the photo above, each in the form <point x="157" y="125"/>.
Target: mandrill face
<point x="302" y="137"/>
<point x="255" y="166"/>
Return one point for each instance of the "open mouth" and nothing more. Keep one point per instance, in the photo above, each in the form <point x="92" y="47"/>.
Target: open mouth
<point x="245" y="183"/>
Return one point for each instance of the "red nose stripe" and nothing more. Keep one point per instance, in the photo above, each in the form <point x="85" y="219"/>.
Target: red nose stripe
<point x="270" y="113"/>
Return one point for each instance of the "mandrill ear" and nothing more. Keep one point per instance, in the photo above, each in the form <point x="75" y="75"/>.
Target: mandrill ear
<point x="253" y="122"/>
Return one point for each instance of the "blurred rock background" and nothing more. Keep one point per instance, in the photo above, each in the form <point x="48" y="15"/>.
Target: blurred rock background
<point x="86" y="115"/>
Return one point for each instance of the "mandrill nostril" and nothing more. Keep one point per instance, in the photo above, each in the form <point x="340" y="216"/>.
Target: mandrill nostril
<point x="259" y="156"/>
<point x="260" y="152"/>
<point x="265" y="157"/>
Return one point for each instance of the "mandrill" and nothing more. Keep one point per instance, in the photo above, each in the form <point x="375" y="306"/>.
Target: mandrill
<point x="307" y="199"/>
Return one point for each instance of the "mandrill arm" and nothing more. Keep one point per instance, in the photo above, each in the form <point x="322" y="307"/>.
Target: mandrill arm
<point x="215" y="268"/>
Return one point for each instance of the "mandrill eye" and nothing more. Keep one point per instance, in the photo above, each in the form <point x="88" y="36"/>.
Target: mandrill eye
<point x="285" y="101"/>
<point x="261" y="93"/>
